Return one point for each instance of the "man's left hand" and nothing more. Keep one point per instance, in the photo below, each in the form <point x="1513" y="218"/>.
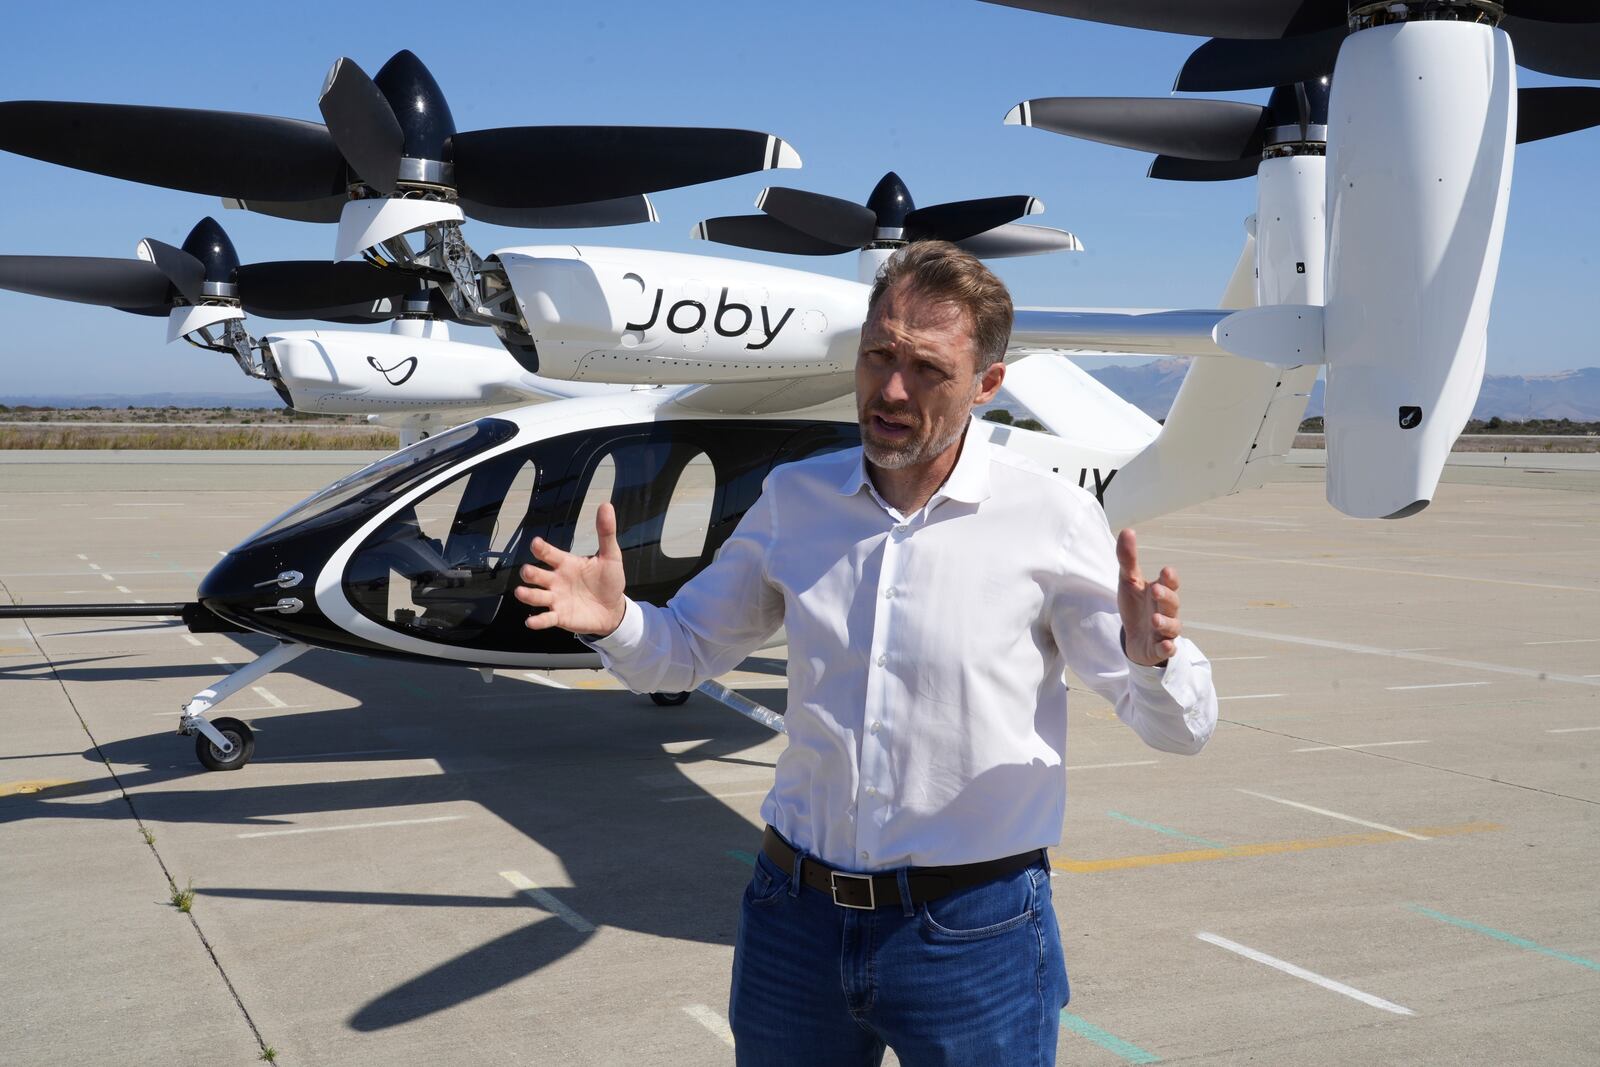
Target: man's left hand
<point x="1149" y="609"/>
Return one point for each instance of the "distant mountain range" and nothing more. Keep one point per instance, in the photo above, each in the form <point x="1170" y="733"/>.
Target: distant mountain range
<point x="1571" y="394"/>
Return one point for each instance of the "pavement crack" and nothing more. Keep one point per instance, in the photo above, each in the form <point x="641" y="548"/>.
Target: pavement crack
<point x="1412" y="763"/>
<point x="127" y="799"/>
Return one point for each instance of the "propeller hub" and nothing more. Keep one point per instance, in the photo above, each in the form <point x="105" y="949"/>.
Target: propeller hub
<point x="891" y="202"/>
<point x="1387" y="12"/>
<point x="424" y="116"/>
<point x="220" y="291"/>
<point x="209" y="243"/>
<point x="427" y="172"/>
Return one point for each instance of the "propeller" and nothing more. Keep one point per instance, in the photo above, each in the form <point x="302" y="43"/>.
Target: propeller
<point x="206" y="268"/>
<point x="1262" y="43"/>
<point x="811" y="224"/>
<point x="1219" y="140"/>
<point x="392" y="132"/>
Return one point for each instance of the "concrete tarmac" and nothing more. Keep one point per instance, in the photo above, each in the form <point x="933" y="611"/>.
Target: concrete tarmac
<point x="1388" y="854"/>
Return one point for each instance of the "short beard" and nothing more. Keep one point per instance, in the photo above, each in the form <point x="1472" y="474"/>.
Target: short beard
<point x="911" y="453"/>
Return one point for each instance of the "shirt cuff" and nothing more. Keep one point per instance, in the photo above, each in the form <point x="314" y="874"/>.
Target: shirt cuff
<point x="625" y="637"/>
<point x="1178" y="680"/>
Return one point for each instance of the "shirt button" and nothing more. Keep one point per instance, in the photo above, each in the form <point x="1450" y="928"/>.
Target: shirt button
<point x="876" y="725"/>
<point x="883" y="659"/>
<point x="863" y="855"/>
<point x="888" y="594"/>
<point x="872" y="790"/>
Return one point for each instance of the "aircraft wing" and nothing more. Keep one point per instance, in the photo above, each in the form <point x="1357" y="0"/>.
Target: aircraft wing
<point x="1133" y="331"/>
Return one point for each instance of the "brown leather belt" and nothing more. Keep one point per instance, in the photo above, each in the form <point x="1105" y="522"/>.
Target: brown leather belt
<point x="865" y="892"/>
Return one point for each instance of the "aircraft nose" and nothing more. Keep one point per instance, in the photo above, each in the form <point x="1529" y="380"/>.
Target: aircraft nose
<point x="255" y="587"/>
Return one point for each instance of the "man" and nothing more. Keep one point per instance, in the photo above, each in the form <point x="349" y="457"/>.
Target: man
<point x="933" y="587"/>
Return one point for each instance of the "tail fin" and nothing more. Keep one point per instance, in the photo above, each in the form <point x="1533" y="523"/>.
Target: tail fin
<point x="1232" y="420"/>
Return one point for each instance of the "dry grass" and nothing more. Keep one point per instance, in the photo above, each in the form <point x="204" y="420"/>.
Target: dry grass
<point x="196" y="437"/>
<point x="1492" y="443"/>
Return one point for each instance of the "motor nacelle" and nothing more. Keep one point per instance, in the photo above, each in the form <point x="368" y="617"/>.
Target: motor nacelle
<point x="624" y="315"/>
<point x="339" y="372"/>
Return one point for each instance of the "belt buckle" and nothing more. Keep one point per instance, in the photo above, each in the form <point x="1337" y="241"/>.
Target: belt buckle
<point x="872" y="900"/>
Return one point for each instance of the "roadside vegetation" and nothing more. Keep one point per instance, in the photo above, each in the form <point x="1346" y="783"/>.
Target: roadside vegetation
<point x="198" y="437"/>
<point x="1499" y="435"/>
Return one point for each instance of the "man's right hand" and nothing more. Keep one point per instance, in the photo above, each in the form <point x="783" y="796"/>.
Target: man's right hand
<point x="583" y="594"/>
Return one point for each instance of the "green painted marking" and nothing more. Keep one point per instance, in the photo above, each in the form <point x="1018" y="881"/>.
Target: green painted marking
<point x="1110" y="1042"/>
<point x="742" y="856"/>
<point x="1501" y="935"/>
<point x="1169" y="831"/>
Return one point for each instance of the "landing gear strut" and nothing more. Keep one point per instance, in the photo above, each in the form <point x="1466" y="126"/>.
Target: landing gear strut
<point x="227" y="744"/>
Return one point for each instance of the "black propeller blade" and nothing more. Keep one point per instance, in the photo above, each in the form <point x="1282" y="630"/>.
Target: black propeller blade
<point x="1173" y="169"/>
<point x="1210" y="18"/>
<point x="219" y="153"/>
<point x="362" y="125"/>
<point x="765" y="234"/>
<point x="825" y="218"/>
<point x="549" y="166"/>
<point x="1567" y="51"/>
<point x="287" y="286"/>
<point x="1553" y="111"/>
<point x="186" y="273"/>
<point x="1019" y="239"/>
<point x="118" y="283"/>
<point x="623" y="211"/>
<point x="1225" y="64"/>
<point x="962" y="219"/>
<point x="1194" y="129"/>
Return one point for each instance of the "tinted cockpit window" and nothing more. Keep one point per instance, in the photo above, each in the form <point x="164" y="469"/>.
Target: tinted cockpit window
<point x="393" y="474"/>
<point x="439" y="568"/>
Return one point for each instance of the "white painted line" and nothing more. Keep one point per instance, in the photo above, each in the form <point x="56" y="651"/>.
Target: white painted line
<point x="1574" y="730"/>
<point x="1253" y="696"/>
<point x="192" y="639"/>
<point x="82" y="556"/>
<point x="1369" y="744"/>
<point x="107" y="577"/>
<point x="1235" y="659"/>
<point x="717" y="796"/>
<point x="123" y="589"/>
<point x="711" y="1021"/>
<point x="1432" y="648"/>
<point x="549" y="903"/>
<point x="1370" y="650"/>
<point x="219" y="661"/>
<point x="1435" y="685"/>
<point x="92" y="566"/>
<point x="1566" y="641"/>
<point x="1109" y="766"/>
<point x="267" y="696"/>
<point x="1336" y="815"/>
<point x="544" y="679"/>
<point x="351" y="826"/>
<point x="178" y="505"/>
<point x="1301" y="973"/>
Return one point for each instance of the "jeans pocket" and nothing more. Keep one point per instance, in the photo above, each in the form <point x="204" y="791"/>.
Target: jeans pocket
<point x="767" y="882"/>
<point x="982" y="911"/>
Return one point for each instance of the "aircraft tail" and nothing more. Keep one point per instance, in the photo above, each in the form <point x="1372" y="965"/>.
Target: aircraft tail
<point x="1233" y="420"/>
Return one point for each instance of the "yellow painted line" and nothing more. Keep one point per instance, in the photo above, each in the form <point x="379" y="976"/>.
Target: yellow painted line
<point x="37" y="785"/>
<point x="1268" y="848"/>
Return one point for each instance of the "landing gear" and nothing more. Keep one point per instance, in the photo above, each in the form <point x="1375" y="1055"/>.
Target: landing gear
<point x="227" y="744"/>
<point x="239" y="736"/>
<point x="668" y="700"/>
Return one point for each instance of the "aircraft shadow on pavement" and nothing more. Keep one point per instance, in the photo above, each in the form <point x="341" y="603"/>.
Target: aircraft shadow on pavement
<point x="580" y="773"/>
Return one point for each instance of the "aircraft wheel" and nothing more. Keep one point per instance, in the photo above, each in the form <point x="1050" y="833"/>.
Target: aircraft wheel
<point x="669" y="700"/>
<point x="238" y="734"/>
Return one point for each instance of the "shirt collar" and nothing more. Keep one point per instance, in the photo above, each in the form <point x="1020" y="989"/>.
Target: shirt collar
<point x="968" y="482"/>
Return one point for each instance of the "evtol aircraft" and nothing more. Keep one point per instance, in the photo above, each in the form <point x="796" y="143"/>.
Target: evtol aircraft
<point x="671" y="384"/>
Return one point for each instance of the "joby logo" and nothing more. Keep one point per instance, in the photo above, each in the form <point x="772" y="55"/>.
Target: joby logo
<point x="1410" y="417"/>
<point x="729" y="319"/>
<point x="398" y="374"/>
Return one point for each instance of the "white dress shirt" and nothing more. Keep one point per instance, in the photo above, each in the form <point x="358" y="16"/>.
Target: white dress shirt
<point x="927" y="713"/>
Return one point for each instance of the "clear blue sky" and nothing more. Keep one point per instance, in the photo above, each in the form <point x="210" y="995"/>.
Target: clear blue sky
<point x="858" y="87"/>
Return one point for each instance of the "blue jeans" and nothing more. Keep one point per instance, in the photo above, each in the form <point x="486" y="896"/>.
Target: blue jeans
<point x="976" y="977"/>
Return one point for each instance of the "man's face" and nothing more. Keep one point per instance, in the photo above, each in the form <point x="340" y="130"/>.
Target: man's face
<point x="916" y="378"/>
